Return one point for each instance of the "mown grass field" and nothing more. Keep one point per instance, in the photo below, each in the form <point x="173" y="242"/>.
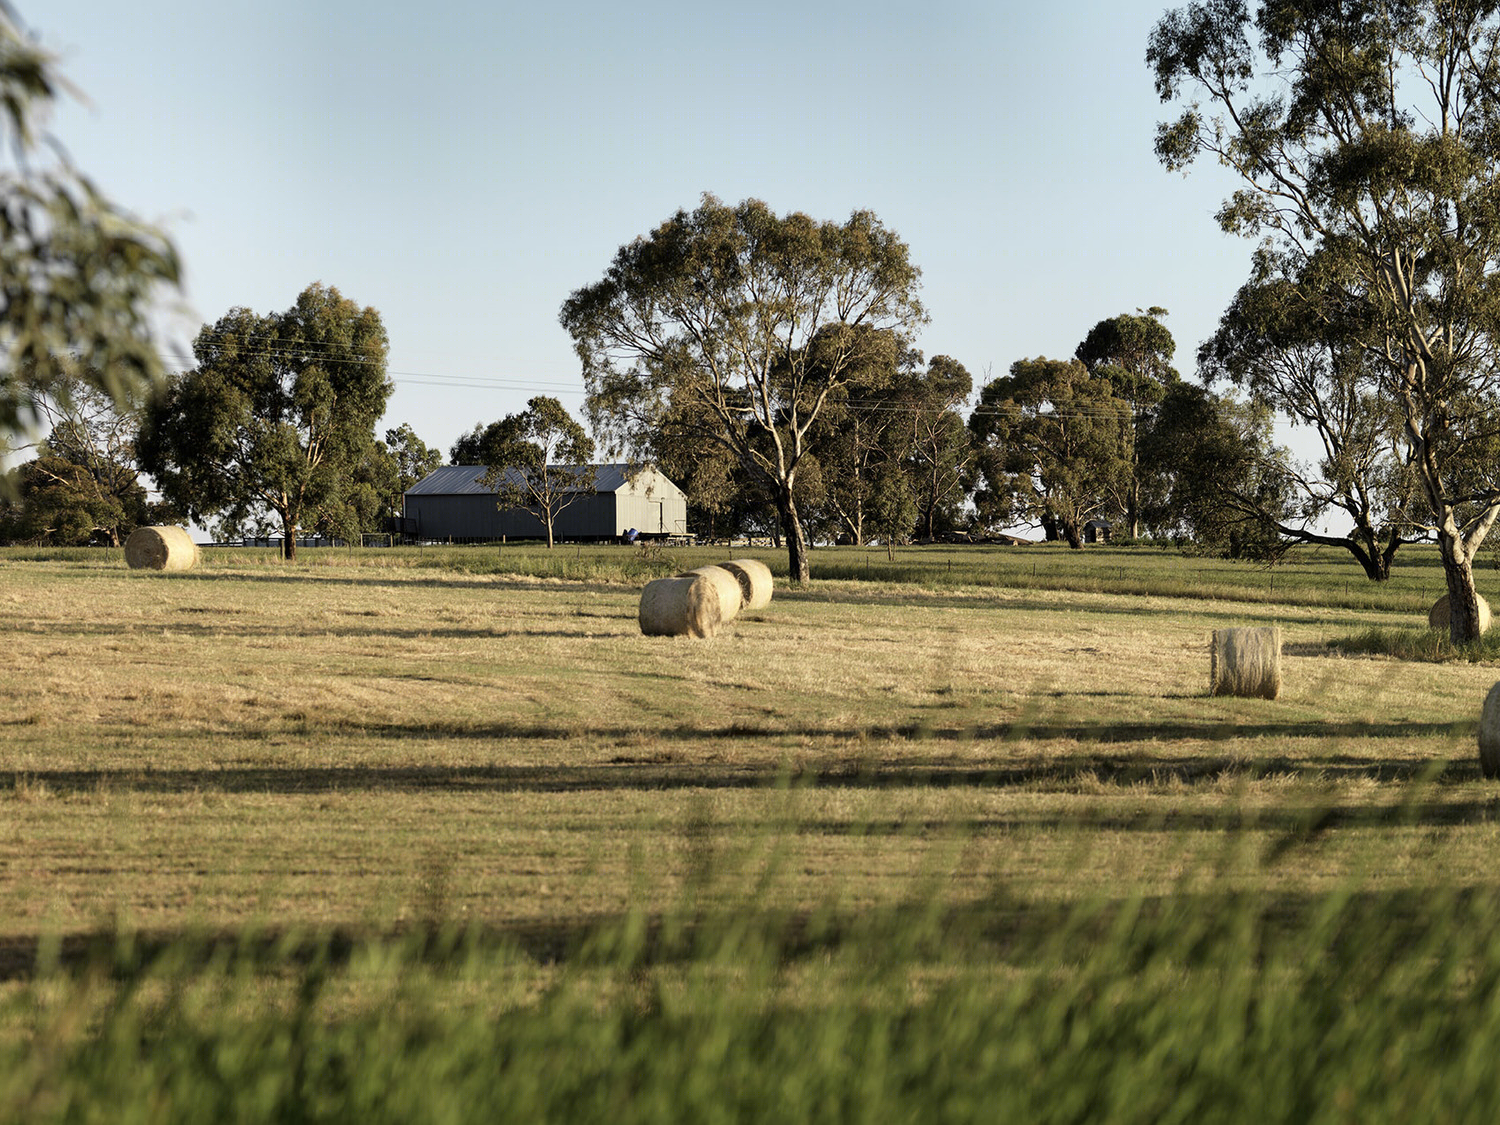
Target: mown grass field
<point x="938" y="835"/>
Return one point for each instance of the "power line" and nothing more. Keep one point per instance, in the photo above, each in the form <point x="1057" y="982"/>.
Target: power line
<point x="428" y="378"/>
<point x="274" y="350"/>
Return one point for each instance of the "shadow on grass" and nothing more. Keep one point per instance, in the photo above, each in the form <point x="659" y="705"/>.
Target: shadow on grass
<point x="986" y="598"/>
<point x="1000" y="926"/>
<point x="663" y="771"/>
<point x="232" y="630"/>
<point x="1003" y="600"/>
<point x="1103" y="731"/>
<point x="495" y="583"/>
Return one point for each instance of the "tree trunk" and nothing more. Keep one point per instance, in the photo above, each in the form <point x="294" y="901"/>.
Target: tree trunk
<point x="796" y="539"/>
<point x="1387" y="555"/>
<point x="1463" y="599"/>
<point x="1375" y="559"/>
<point x="1071" y="533"/>
<point x="1133" y="508"/>
<point x="288" y="535"/>
<point x="548" y="521"/>
<point x="1377" y="566"/>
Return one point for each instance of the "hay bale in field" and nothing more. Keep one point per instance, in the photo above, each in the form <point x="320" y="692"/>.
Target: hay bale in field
<point x="1489" y="734"/>
<point x="1247" y="662"/>
<point x="728" y="586"/>
<point x="754" y="578"/>
<point x="685" y="606"/>
<point x="160" y="548"/>
<point x="1438" y="616"/>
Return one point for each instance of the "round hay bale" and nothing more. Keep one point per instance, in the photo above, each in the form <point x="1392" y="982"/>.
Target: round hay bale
<point x="686" y="606"/>
<point x="755" y="581"/>
<point x="1489" y="734"/>
<point x="730" y="598"/>
<point x="1246" y="661"/>
<point x="1438" y="616"/>
<point x="160" y="548"/>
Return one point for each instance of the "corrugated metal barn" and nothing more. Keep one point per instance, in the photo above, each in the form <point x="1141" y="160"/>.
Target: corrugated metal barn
<point x="451" y="504"/>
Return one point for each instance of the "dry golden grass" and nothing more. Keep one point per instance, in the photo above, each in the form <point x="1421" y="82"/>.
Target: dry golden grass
<point x="346" y="745"/>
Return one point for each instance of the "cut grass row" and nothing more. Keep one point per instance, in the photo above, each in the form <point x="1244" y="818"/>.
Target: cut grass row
<point x="1315" y="576"/>
<point x="167" y="736"/>
<point x="369" y="830"/>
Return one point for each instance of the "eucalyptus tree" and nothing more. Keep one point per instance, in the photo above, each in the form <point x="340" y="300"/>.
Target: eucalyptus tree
<point x="892" y="507"/>
<point x="411" y="456"/>
<point x="711" y="319"/>
<point x="721" y="502"/>
<point x="540" y="460"/>
<point x="275" y="418"/>
<point x="1211" y="476"/>
<point x="942" y="448"/>
<point x="81" y="486"/>
<point x="1134" y="352"/>
<point x="373" y="493"/>
<point x="1053" y="447"/>
<point x="78" y="274"/>
<point x="860" y="433"/>
<point x="1296" y="358"/>
<point x="409" y="459"/>
<point x="1364" y="138"/>
<point x="483" y="445"/>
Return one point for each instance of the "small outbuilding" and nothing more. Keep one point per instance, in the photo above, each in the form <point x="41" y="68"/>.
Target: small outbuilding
<point x="1096" y="531"/>
<point x="452" y="504"/>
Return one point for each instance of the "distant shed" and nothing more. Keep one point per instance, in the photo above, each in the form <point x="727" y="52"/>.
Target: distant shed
<point x="450" y="503"/>
<point x="1097" y="531"/>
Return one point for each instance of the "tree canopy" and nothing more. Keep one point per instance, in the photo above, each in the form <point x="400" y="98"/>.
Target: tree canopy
<point x="540" y="460"/>
<point x="1211" y="477"/>
<point x="1133" y="352"/>
<point x="275" y="418"/>
<point x="81" y="487"/>
<point x="1302" y="367"/>
<point x="1053" y="447"/>
<point x="409" y="459"/>
<point x="860" y="440"/>
<point x="77" y="273"/>
<point x="1363" y="136"/>
<point x="743" y="325"/>
<point x="373" y="496"/>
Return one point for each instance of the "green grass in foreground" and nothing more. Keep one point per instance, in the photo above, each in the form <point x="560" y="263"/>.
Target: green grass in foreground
<point x="1197" y="1006"/>
<point x="1431" y="646"/>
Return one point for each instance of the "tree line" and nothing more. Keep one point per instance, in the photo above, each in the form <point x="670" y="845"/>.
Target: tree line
<point x="765" y="360"/>
<point x="799" y="411"/>
<point x="845" y="434"/>
<point x="273" y="432"/>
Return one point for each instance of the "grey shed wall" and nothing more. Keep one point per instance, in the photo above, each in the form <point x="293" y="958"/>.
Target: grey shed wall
<point x="450" y="504"/>
<point x="477" y="517"/>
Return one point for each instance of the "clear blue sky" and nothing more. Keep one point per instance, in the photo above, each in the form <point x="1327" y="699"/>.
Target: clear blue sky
<point x="463" y="167"/>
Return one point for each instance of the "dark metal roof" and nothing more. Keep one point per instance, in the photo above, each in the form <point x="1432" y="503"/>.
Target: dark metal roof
<point x="460" y="480"/>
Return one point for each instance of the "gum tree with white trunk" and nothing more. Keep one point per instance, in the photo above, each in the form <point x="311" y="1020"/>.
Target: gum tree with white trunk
<point x="1365" y="136"/>
<point x="748" y="324"/>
